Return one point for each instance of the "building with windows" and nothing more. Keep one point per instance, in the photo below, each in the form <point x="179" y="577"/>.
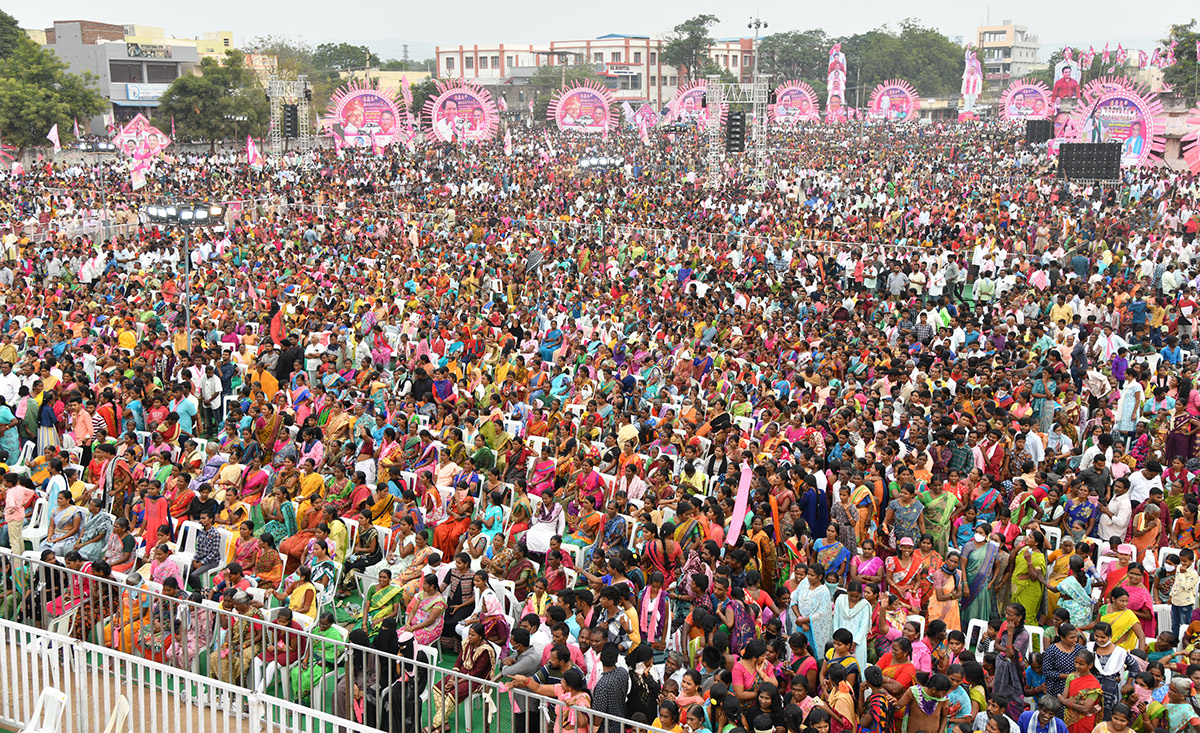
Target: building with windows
<point x="630" y="65"/>
<point x="135" y="64"/>
<point x="1007" y="52"/>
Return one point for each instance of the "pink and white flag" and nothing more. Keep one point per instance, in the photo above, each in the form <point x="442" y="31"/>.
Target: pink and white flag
<point x="76" y="129"/>
<point x="508" y="146"/>
<point x="549" y="145"/>
<point x="1142" y="59"/>
<point x="52" y="136"/>
<point x="643" y="132"/>
<point x="502" y="103"/>
<point x="531" y="108"/>
<point x="253" y="157"/>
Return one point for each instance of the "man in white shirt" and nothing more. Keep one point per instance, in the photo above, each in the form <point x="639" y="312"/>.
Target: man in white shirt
<point x="10" y="385"/>
<point x="1115" y="516"/>
<point x="1141" y="482"/>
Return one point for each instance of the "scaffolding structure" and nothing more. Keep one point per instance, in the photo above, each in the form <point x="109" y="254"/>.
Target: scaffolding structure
<point x="288" y="91"/>
<point x="754" y="95"/>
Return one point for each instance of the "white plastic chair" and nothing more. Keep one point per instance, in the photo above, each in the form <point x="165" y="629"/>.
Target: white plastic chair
<point x="1037" y="639"/>
<point x="1053" y="537"/>
<point x="189" y="539"/>
<point x="120" y="713"/>
<point x="228" y="547"/>
<point x="48" y="712"/>
<point x="39" y="525"/>
<point x="1162" y="616"/>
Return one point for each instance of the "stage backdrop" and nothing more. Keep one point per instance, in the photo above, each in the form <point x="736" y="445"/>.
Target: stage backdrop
<point x="1133" y="117"/>
<point x="359" y="114"/>
<point x="461" y="111"/>
<point x="687" y="106"/>
<point x="1025" y="99"/>
<point x="585" y="107"/>
<point x="895" y="100"/>
<point x="795" y="102"/>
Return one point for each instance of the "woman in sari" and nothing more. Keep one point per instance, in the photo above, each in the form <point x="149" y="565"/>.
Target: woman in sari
<point x="1029" y="575"/>
<point x="1126" y="631"/>
<point x="984" y="497"/>
<point x="243" y="642"/>
<point x="541" y="475"/>
<point x="1058" y="567"/>
<point x="1141" y="603"/>
<point x="409" y="579"/>
<point x="902" y="575"/>
<point x="520" y="517"/>
<point x="338" y="488"/>
<point x="425" y="613"/>
<point x="812" y="608"/>
<point x="478" y="659"/>
<point x="830" y="552"/>
<point x="381" y="601"/>
<point x="161" y="566"/>
<point x="66" y="523"/>
<point x="1080" y="516"/>
<point x="1082" y="699"/>
<point x="280" y="516"/>
<point x="767" y="555"/>
<point x="254" y="481"/>
<point x="93" y="535"/>
<point x="1075" y="592"/>
<point x="663" y="552"/>
<point x="947" y="592"/>
<point x="1181" y="438"/>
<point x="246" y="547"/>
<point x="548" y="521"/>
<point x="383" y="503"/>
<point x="447" y="535"/>
<point x="489" y="611"/>
<point x="98" y="600"/>
<point x="132" y="611"/>
<point x="584" y="528"/>
<point x="120" y="549"/>
<point x="232" y="511"/>
<point x="268" y="569"/>
<point x="269" y="432"/>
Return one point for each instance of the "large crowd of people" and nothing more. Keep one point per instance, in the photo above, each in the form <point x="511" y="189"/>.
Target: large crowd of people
<point x="905" y="439"/>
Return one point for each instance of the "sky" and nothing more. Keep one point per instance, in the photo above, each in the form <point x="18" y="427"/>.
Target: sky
<point x="386" y="27"/>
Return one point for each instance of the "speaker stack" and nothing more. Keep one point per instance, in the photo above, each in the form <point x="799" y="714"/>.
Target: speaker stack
<point x="1089" y="161"/>
<point x="1038" y="131"/>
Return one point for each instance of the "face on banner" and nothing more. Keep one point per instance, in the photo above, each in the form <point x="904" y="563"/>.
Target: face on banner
<point x="460" y="113"/>
<point x="1119" y="118"/>
<point x="893" y="103"/>
<point x="1026" y="103"/>
<point x="793" y="105"/>
<point x="364" y="114"/>
<point x="1066" y="80"/>
<point x="691" y="107"/>
<point x="583" y="110"/>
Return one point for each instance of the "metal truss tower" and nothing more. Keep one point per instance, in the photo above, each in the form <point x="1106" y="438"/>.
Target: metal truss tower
<point x="754" y="95"/>
<point x="285" y="91"/>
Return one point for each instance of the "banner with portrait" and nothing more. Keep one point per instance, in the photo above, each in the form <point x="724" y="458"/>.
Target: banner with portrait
<point x="1135" y="118"/>
<point x="1025" y="99"/>
<point x="461" y="111"/>
<point x="688" y="106"/>
<point x="795" y="102"/>
<point x="894" y="100"/>
<point x="360" y="115"/>
<point x="140" y="140"/>
<point x="585" y="107"/>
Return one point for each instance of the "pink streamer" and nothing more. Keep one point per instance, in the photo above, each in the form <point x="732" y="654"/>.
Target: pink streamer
<point x="739" y="506"/>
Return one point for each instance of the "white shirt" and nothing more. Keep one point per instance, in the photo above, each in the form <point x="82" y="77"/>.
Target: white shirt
<point x="10" y="387"/>
<point x="1118" y="524"/>
<point x="1140" y="486"/>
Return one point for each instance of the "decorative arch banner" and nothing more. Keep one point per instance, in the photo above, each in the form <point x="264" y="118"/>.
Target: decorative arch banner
<point x="795" y="102"/>
<point x="1133" y="117"/>
<point x="1026" y="99"/>
<point x="1102" y="85"/>
<point x="361" y="115"/>
<point x="687" y="106"/>
<point x="461" y="111"/>
<point x="1191" y="140"/>
<point x="894" y="100"/>
<point x="585" y="107"/>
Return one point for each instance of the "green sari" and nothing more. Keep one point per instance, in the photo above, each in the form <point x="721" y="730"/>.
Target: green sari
<point x="379" y="604"/>
<point x="1028" y="592"/>
<point x="938" y="512"/>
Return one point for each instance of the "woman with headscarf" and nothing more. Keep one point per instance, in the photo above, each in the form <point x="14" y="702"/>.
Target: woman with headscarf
<point x="477" y="659"/>
<point x="354" y="697"/>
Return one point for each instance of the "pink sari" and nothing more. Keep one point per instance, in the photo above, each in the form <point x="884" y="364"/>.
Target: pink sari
<point x="543" y="476"/>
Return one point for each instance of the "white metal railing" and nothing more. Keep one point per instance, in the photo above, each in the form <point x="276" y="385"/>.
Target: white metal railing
<point x="162" y="699"/>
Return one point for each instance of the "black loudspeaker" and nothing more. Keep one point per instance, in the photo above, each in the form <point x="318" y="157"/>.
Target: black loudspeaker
<point x="1038" y="131"/>
<point x="1089" y="161"/>
<point x="291" y="121"/>
<point x="735" y="133"/>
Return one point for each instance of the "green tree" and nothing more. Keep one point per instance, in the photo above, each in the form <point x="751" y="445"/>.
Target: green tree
<point x="921" y="56"/>
<point x="687" y="45"/>
<point x="224" y="102"/>
<point x="342" y="57"/>
<point x="710" y="68"/>
<point x="422" y="91"/>
<point x="37" y="92"/>
<point x="294" y="58"/>
<point x="11" y="35"/>
<point x="802" y="55"/>
<point x="1183" y="75"/>
<point x="429" y="65"/>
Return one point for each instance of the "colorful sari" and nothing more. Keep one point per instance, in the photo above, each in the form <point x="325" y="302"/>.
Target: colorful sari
<point x="379" y="604"/>
<point x="833" y="555"/>
<point x="1082" y="689"/>
<point x="419" y="610"/>
<point x="1028" y="592"/>
<point x="285" y="528"/>
<point x="1122" y="623"/>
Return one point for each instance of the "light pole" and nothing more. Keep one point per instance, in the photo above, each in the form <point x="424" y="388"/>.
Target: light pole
<point x="757" y="24"/>
<point x="187" y="217"/>
<point x="98" y="149"/>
